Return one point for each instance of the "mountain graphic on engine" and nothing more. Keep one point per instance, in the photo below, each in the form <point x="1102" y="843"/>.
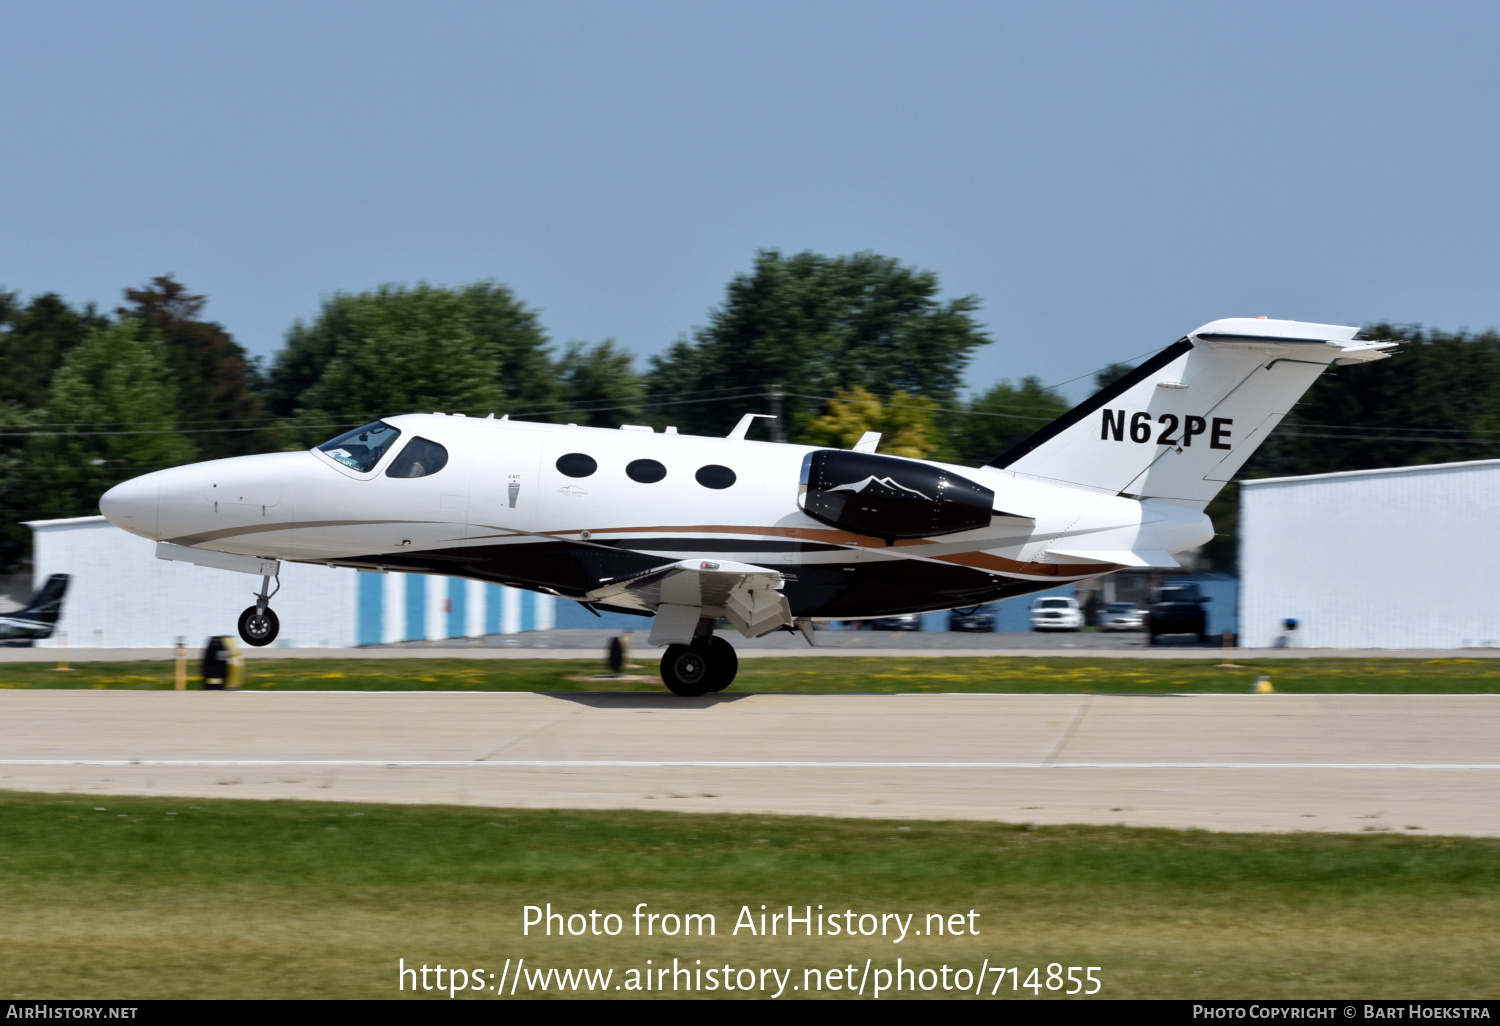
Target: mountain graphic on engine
<point x="880" y="488"/>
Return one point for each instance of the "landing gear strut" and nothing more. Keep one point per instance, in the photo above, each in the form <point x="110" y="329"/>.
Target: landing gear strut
<point x="259" y="625"/>
<point x="706" y="666"/>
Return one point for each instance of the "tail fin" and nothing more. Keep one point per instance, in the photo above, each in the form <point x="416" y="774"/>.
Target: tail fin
<point x="46" y="605"/>
<point x="1181" y="424"/>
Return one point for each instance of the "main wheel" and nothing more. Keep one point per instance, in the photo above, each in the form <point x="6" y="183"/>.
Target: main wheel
<point x="685" y="670"/>
<point x="723" y="662"/>
<point x="259" y="628"/>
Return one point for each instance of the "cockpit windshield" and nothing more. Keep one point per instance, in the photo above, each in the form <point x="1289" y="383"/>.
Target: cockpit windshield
<point x="362" y="448"/>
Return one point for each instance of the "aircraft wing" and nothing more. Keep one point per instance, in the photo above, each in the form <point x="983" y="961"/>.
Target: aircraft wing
<point x="684" y="592"/>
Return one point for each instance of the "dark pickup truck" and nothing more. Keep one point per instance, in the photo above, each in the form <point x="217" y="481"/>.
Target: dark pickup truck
<point x="1178" y="609"/>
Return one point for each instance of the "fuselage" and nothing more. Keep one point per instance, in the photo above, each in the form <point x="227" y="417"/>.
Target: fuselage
<point x="573" y="510"/>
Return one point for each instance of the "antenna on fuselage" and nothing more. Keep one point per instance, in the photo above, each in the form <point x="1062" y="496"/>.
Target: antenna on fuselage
<point x="745" y="422"/>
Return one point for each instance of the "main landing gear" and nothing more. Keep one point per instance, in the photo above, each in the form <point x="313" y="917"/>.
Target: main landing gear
<point x="259" y="625"/>
<point x="706" y="666"/>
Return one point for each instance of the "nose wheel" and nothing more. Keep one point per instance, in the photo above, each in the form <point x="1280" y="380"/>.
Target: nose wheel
<point x="259" y="627"/>
<point x="706" y="666"/>
<point x="259" y="624"/>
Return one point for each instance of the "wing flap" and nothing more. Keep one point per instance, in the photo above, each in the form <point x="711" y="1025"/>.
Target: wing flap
<point x="682" y="593"/>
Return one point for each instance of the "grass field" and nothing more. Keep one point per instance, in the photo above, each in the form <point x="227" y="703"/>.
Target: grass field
<point x="1071" y="674"/>
<point x="136" y="898"/>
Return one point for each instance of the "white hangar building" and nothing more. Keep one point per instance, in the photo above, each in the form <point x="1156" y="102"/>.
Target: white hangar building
<point x="122" y="596"/>
<point x="1402" y="558"/>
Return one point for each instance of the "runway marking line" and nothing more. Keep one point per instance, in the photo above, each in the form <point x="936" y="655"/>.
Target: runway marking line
<point x="745" y="764"/>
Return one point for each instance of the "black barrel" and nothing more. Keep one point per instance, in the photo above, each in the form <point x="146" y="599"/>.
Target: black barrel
<point x="215" y="664"/>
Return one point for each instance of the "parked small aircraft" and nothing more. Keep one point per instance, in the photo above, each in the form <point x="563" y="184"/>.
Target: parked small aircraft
<point x="39" y="618"/>
<point x="689" y="529"/>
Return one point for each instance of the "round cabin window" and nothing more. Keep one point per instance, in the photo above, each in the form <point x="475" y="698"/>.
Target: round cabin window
<point x="645" y="471"/>
<point x="576" y="464"/>
<point x="715" y="476"/>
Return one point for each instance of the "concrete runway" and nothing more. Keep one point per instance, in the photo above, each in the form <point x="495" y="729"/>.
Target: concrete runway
<point x="592" y="644"/>
<point x="1407" y="763"/>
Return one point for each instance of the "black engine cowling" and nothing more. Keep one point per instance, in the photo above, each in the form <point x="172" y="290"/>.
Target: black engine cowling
<point x="888" y="497"/>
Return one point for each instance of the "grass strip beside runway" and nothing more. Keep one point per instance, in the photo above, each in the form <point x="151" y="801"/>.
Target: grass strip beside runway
<point x="135" y="898"/>
<point x="811" y="674"/>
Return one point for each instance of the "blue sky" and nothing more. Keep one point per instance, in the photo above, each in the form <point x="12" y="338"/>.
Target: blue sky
<point x="1104" y="176"/>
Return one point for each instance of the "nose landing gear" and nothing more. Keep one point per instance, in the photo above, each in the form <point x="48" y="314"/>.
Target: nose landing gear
<point x="259" y="625"/>
<point x="706" y="666"/>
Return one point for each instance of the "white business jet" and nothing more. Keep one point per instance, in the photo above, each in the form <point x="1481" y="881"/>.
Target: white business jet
<point x="689" y="529"/>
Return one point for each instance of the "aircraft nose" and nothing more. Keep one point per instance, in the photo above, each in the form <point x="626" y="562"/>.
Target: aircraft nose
<point x="132" y="505"/>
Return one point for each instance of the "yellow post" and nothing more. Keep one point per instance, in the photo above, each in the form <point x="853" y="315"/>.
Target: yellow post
<point x="179" y="676"/>
<point x="235" y="672"/>
<point x="1227" y="661"/>
<point x="62" y="652"/>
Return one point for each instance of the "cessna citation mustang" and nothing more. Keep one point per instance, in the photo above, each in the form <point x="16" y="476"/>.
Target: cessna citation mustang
<point x="772" y="536"/>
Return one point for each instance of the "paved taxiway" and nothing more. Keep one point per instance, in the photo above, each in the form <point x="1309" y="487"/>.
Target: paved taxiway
<point x="1408" y="763"/>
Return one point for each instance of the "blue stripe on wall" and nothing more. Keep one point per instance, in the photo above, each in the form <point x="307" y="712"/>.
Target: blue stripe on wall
<point x="568" y="614"/>
<point x="371" y="597"/>
<point x="492" y="600"/>
<point x="416" y="607"/>
<point x="458" y="603"/>
<point x="528" y="610"/>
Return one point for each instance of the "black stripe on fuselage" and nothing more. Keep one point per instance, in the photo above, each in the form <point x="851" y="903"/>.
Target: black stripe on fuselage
<point x="1095" y="402"/>
<point x="571" y="570"/>
<point x="716" y="545"/>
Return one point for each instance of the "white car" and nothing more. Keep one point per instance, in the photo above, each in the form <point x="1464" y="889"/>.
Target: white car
<point x="1056" y="614"/>
<point x="1122" y="616"/>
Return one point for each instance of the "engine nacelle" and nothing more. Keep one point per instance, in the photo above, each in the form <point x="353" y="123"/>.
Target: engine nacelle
<point x="888" y="497"/>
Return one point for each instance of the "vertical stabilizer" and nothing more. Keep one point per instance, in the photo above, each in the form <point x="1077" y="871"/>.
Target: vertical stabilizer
<point x="1182" y="423"/>
<point x="46" y="603"/>
<point x="39" y="618"/>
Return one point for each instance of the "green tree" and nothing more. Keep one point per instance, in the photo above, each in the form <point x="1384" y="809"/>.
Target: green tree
<point x="518" y="374"/>
<point x="34" y="338"/>
<point x="1433" y="402"/>
<point x="111" y="414"/>
<point x="420" y="352"/>
<point x="1436" y="401"/>
<point x="1106" y="376"/>
<point x="810" y="324"/>
<point x="906" y="423"/>
<point x="15" y="541"/>
<point x="215" y="381"/>
<point x="1005" y="415"/>
<point x="599" y="385"/>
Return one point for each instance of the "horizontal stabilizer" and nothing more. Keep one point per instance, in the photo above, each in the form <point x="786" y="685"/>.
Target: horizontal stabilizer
<point x="1119" y="557"/>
